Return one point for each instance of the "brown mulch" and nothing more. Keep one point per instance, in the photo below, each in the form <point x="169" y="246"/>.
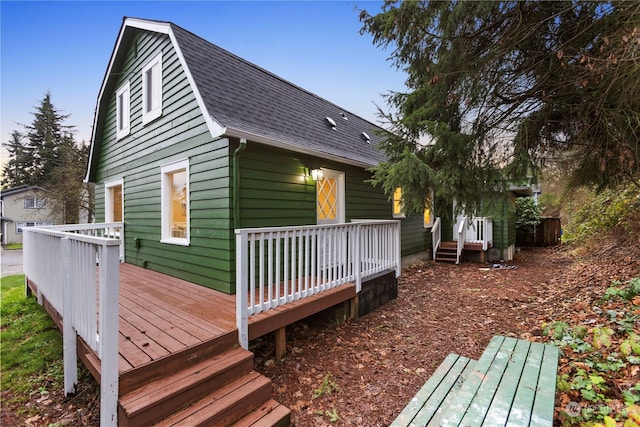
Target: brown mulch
<point x="374" y="365"/>
<point x="368" y="369"/>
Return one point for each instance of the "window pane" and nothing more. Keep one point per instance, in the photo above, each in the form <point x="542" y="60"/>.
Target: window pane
<point x="149" y="90"/>
<point x="327" y="198"/>
<point x="178" y="209"/>
<point x="397" y="202"/>
<point x="116" y="203"/>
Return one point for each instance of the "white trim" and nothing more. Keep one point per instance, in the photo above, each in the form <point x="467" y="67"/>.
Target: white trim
<point x="108" y="202"/>
<point x="124" y="110"/>
<point x="154" y="69"/>
<point x="215" y="129"/>
<point x="238" y="133"/>
<point x="165" y="197"/>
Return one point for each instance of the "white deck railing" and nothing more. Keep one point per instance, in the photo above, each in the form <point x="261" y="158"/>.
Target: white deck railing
<point x="436" y="236"/>
<point x="76" y="268"/>
<point x="279" y="265"/>
<point x="475" y="230"/>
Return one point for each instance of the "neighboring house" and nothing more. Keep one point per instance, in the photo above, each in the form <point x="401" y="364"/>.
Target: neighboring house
<point x="26" y="206"/>
<point x="191" y="142"/>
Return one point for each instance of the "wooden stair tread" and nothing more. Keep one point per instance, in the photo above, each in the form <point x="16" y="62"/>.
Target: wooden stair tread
<point x="271" y="413"/>
<point x="225" y="405"/>
<point x="169" y="387"/>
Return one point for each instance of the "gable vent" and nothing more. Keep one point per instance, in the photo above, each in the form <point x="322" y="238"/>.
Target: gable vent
<point x="331" y="122"/>
<point x="366" y="137"/>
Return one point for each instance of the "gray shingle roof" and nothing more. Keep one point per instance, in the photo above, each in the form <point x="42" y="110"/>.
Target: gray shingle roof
<point x="240" y="95"/>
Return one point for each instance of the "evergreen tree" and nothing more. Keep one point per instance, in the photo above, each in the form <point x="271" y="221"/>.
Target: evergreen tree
<point x="17" y="171"/>
<point x="45" y="135"/>
<point x="46" y="155"/>
<point x="498" y="89"/>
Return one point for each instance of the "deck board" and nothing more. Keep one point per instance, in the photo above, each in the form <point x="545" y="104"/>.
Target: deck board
<point x="163" y="316"/>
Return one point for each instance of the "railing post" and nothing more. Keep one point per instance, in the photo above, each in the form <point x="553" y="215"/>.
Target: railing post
<point x="398" y="248"/>
<point x="241" y="288"/>
<point x="109" y="282"/>
<point x="357" y="257"/>
<point x="70" y="358"/>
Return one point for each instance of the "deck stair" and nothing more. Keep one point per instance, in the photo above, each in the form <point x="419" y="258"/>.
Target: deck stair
<point x="447" y="252"/>
<point x="219" y="389"/>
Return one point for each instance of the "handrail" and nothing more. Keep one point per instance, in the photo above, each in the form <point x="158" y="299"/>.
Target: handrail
<point x="461" y="239"/>
<point x="110" y="230"/>
<point x="436" y="236"/>
<point x="278" y="265"/>
<point x="78" y="274"/>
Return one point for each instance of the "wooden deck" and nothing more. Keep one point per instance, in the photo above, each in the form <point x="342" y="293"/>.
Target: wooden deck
<point x="168" y="323"/>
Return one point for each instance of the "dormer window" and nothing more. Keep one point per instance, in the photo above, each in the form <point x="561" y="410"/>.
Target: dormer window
<point x="123" y="111"/>
<point x="152" y="90"/>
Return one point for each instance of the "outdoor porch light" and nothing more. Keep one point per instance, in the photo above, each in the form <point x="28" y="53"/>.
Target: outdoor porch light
<point x="316" y="174"/>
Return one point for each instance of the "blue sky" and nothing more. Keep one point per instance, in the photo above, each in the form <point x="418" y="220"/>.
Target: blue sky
<point x="64" y="47"/>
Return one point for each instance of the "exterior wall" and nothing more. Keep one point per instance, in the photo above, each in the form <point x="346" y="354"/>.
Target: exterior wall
<point x="503" y="213"/>
<point x="274" y="189"/>
<point x="180" y="133"/>
<point x="14" y="209"/>
<point x="275" y="192"/>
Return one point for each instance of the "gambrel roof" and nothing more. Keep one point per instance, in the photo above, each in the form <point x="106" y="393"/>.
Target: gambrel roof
<point x="240" y="99"/>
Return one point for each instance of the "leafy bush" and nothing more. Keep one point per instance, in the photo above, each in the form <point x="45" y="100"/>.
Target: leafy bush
<point x="527" y="214"/>
<point x="595" y="385"/>
<point x="610" y="211"/>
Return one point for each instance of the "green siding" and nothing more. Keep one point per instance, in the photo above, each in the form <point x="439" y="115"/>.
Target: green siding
<point x="179" y="133"/>
<point x="275" y="192"/>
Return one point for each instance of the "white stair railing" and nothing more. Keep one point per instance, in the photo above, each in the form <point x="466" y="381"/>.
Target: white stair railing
<point x="436" y="236"/>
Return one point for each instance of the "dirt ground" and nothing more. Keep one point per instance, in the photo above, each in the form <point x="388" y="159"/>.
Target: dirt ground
<point x="363" y="372"/>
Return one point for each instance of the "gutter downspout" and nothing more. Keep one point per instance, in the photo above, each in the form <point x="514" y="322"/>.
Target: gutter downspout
<point x="236" y="182"/>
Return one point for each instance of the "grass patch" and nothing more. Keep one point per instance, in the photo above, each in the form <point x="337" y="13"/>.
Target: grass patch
<point x="31" y="343"/>
<point x="13" y="246"/>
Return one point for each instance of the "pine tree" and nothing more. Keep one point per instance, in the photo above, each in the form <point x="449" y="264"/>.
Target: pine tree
<point x="47" y="155"/>
<point x="45" y="135"/>
<point x="17" y="171"/>
<point x="499" y="89"/>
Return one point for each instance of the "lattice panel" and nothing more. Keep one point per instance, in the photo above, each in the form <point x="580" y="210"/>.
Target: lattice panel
<point x="327" y="198"/>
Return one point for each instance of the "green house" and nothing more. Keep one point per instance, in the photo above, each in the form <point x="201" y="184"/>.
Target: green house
<point x="191" y="143"/>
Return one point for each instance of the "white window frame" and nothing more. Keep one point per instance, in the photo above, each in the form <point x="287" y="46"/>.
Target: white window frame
<point x="123" y="111"/>
<point x="108" y="201"/>
<point x="36" y="203"/>
<point x="340" y="198"/>
<point x="165" y="198"/>
<point x="154" y="69"/>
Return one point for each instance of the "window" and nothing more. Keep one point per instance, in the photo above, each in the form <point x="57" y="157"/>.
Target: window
<point x="398" y="209"/>
<point x="113" y="201"/>
<point x="152" y="90"/>
<point x="21" y="225"/>
<point x="175" y="203"/>
<point x="123" y="111"/>
<point x="330" y="197"/>
<point x="428" y="212"/>
<point x="34" y="203"/>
